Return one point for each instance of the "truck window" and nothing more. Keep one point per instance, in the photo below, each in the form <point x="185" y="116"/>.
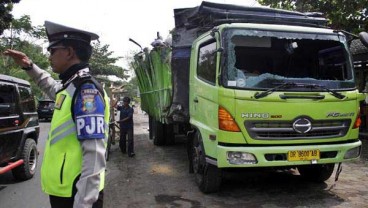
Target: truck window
<point x="206" y="68"/>
<point x="332" y="63"/>
<point x="26" y="99"/>
<point x="263" y="59"/>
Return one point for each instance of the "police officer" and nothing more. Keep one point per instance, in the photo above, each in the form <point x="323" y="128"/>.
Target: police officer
<point x="73" y="167"/>
<point x="126" y="127"/>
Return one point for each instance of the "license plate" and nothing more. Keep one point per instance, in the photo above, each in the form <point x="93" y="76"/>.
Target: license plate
<point x="298" y="155"/>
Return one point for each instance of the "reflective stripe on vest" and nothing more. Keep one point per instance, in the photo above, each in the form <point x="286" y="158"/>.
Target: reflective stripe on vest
<point x="63" y="150"/>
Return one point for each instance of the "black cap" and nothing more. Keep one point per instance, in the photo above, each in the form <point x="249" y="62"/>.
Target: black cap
<point x="56" y="33"/>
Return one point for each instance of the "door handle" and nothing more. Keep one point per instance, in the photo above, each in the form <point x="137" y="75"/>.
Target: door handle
<point x="195" y="100"/>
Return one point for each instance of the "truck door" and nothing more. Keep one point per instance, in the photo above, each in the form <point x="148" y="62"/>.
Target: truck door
<point x="203" y="89"/>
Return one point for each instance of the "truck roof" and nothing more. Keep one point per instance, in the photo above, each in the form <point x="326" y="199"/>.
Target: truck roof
<point x="192" y="22"/>
<point x="213" y="14"/>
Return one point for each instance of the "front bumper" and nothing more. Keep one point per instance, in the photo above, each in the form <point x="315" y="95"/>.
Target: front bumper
<point x="273" y="156"/>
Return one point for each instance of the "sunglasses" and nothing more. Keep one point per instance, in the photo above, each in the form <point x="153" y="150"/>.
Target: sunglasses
<point x="54" y="48"/>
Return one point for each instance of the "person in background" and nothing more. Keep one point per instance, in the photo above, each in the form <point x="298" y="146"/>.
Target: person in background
<point x="73" y="167"/>
<point x="126" y="127"/>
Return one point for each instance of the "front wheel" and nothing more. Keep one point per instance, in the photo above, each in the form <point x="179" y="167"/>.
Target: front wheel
<point x="316" y="173"/>
<point x="207" y="176"/>
<point x="30" y="157"/>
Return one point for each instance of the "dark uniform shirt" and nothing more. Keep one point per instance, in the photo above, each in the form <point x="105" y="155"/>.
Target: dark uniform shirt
<point x="124" y="113"/>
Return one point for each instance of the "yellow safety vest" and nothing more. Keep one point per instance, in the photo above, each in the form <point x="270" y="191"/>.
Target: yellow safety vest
<point x="62" y="162"/>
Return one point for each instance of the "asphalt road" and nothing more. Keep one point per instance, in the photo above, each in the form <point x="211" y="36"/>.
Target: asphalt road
<point x="158" y="177"/>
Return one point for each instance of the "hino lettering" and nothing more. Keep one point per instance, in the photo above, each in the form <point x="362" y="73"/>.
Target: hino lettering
<point x="255" y="115"/>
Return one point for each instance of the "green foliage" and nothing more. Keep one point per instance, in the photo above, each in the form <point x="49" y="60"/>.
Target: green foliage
<point x="346" y="15"/>
<point x="6" y="6"/>
<point x="132" y="87"/>
<point x="22" y="36"/>
<point x="24" y="25"/>
<point x="103" y="64"/>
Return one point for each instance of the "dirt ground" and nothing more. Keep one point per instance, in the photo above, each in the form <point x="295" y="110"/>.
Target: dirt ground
<point x="159" y="177"/>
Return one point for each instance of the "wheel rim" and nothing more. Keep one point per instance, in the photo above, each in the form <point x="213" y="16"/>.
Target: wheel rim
<point x="195" y="159"/>
<point x="197" y="154"/>
<point x="32" y="162"/>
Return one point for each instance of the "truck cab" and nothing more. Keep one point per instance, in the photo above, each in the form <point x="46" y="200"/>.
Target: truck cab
<point x="274" y="95"/>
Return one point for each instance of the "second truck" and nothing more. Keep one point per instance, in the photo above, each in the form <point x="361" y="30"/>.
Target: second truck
<point x="252" y="87"/>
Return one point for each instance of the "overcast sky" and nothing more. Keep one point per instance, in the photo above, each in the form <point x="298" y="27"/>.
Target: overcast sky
<point x="115" y="21"/>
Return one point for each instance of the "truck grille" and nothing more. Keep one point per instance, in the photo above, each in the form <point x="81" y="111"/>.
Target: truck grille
<point x="284" y="130"/>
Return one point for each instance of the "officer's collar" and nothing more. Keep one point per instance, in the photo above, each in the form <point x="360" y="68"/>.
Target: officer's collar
<point x="72" y="72"/>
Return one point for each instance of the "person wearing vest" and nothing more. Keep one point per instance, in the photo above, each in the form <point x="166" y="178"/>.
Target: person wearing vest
<point x="73" y="167"/>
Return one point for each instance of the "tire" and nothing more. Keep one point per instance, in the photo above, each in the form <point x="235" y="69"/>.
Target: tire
<point x="207" y="176"/>
<point x="30" y="157"/>
<point x="316" y="173"/>
<point x="158" y="133"/>
<point x="169" y="134"/>
<point x="150" y="127"/>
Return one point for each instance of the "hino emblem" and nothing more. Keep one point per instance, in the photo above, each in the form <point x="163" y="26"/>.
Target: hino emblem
<point x="302" y="125"/>
<point x="255" y="115"/>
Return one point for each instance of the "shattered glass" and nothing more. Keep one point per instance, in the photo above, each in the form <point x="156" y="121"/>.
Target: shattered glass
<point x="259" y="59"/>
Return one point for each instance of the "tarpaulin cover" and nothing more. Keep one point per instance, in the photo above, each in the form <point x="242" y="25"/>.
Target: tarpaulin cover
<point x="192" y="22"/>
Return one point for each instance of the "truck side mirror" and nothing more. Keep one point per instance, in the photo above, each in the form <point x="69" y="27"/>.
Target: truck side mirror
<point x="363" y="36"/>
<point x="221" y="49"/>
<point x="214" y="31"/>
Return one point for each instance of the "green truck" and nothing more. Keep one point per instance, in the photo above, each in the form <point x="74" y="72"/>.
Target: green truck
<point x="253" y="87"/>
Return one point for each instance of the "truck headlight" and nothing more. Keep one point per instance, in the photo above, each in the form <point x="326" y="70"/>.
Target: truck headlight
<point x="239" y="158"/>
<point x="352" y="153"/>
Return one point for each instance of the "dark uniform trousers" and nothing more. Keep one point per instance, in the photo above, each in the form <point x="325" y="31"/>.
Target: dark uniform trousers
<point x="67" y="202"/>
<point x="123" y="140"/>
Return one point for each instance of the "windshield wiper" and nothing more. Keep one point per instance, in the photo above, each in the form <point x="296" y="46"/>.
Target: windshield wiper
<point x="332" y="92"/>
<point x="285" y="85"/>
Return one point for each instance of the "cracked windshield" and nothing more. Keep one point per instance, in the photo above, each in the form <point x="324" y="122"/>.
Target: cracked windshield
<point x="265" y="59"/>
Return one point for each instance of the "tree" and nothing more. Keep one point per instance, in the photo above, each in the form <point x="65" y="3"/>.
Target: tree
<point x="6" y="6"/>
<point x="132" y="87"/>
<point x="351" y="16"/>
<point x="32" y="40"/>
<point x="27" y="38"/>
<point x="24" y="37"/>
<point x="103" y="64"/>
